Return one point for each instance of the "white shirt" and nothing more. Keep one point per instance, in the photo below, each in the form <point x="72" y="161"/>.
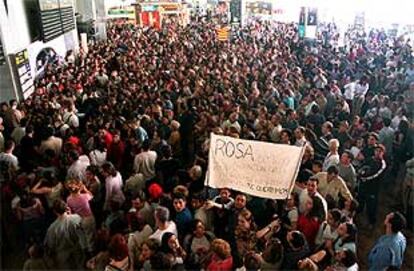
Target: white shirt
<point x="98" y="158"/>
<point x="113" y="188"/>
<point x="171" y="227"/>
<point x="145" y="163"/>
<point x="396" y="121"/>
<point x="304" y="196"/>
<point x="77" y="170"/>
<point x="361" y="90"/>
<point x="349" y="91"/>
<point x="71" y="119"/>
<point x="10" y="159"/>
<point x="330" y="160"/>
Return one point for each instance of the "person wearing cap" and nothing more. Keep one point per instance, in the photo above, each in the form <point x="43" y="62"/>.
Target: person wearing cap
<point x="370" y="176"/>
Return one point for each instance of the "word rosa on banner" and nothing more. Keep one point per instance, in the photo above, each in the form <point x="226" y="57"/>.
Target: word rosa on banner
<point x="257" y="168"/>
<point x="229" y="149"/>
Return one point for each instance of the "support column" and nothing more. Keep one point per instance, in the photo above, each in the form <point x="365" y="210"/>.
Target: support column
<point x="8" y="90"/>
<point x="101" y="19"/>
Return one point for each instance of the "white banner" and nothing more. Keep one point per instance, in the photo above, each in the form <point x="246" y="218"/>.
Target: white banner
<point x="257" y="168"/>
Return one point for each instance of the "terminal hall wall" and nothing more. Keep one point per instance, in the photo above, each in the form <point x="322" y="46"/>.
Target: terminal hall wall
<point x="15" y="35"/>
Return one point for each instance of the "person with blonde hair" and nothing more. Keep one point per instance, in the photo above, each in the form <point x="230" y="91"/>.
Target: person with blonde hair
<point x="221" y="258"/>
<point x="78" y="202"/>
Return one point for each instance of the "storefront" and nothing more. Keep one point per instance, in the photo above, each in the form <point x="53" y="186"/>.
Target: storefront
<point x="155" y="13"/>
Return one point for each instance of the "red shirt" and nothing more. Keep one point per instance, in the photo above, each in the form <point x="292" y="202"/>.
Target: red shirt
<point x="217" y="264"/>
<point x="309" y="226"/>
<point x="108" y="139"/>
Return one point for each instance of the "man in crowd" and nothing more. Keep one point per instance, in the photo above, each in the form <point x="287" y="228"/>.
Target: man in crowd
<point x="388" y="252"/>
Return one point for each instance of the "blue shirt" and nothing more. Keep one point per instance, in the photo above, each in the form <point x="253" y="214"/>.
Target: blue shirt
<point x="183" y="220"/>
<point x="388" y="251"/>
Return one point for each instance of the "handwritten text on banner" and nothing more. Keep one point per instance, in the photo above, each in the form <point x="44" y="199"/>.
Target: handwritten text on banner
<point x="257" y="168"/>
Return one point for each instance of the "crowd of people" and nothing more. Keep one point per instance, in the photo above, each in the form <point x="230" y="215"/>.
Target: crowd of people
<point x="103" y="167"/>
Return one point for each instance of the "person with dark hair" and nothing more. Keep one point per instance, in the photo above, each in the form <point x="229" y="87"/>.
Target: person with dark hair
<point x="98" y="155"/>
<point x="389" y="249"/>
<point x="30" y="212"/>
<point x="371" y="174"/>
<point x="328" y="229"/>
<point x="36" y="259"/>
<point x="347" y="234"/>
<point x="386" y="137"/>
<point x="197" y="244"/>
<point x="119" y="255"/>
<point x="63" y="241"/>
<point x="332" y="186"/>
<point x="360" y="90"/>
<point x="343" y="136"/>
<point x="312" y="191"/>
<point x="297" y="249"/>
<point x="113" y="185"/>
<point x="19" y="132"/>
<point x="143" y="208"/>
<point x="348" y="259"/>
<point x="300" y="138"/>
<point x="347" y="171"/>
<point x="144" y="162"/>
<point x="78" y="165"/>
<point x="116" y="150"/>
<point x="272" y="256"/>
<point x="160" y="261"/>
<point x="27" y="149"/>
<point x="51" y="142"/>
<point x="140" y="231"/>
<point x="8" y="161"/>
<point x="251" y="261"/>
<point x="166" y="168"/>
<point x="183" y="216"/>
<point x="286" y="136"/>
<point x="321" y="145"/>
<point x="50" y="187"/>
<point x="101" y="258"/>
<point x="317" y="166"/>
<point x="175" y="252"/>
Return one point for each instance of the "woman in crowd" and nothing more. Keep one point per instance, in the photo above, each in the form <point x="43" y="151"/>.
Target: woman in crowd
<point x="197" y="244"/>
<point x="30" y="212"/>
<point x="78" y="202"/>
<point x="148" y="248"/>
<point x="310" y="220"/>
<point x="245" y="233"/>
<point x="119" y="259"/>
<point x="346" y="239"/>
<point x="172" y="248"/>
<point x="221" y="258"/>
